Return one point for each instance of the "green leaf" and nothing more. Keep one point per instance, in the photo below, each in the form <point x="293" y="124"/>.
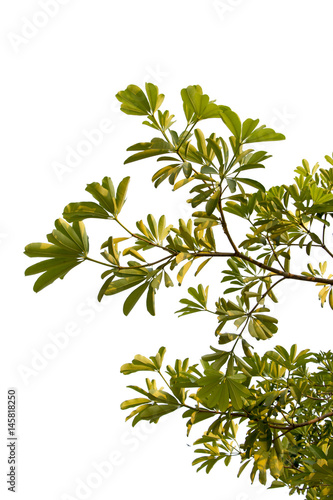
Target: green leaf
<point x="152" y="225"/>
<point x="134" y="253"/>
<point x="213" y="202"/>
<point x="251" y="182"/>
<point x="134" y="101"/>
<point x="263" y="134"/>
<point x="52" y="274"/>
<point x="129" y="368"/>
<point x="137" y="411"/>
<point x="155" y="99"/>
<point x="130" y="403"/>
<point x="144" y="230"/>
<point x="183" y="271"/>
<point x="197" y="105"/>
<point x="158" y="359"/>
<point x="237" y="391"/>
<point x="182" y="183"/>
<point x="104" y="194"/>
<point x="121" y="193"/>
<point x="201" y="142"/>
<point x="80" y="230"/>
<point x="187" y="169"/>
<point x="200" y="294"/>
<point x="182" y="256"/>
<point x="242" y="467"/>
<point x="69" y="236"/>
<point x="70" y="247"/>
<point x="224" y="397"/>
<point x="45" y="265"/>
<point x="216" y="148"/>
<point x="151" y="300"/>
<point x="47" y="250"/>
<point x="161" y="228"/>
<point x="132" y="271"/>
<point x="84" y="210"/>
<point x="168" y="281"/>
<point x="232" y="184"/>
<point x="201" y="266"/>
<point x="225" y="338"/>
<point x="104" y="287"/>
<point x="232" y="121"/>
<point x="315" y="238"/>
<point x="144" y="154"/>
<point x="154" y="412"/>
<point x="212" y="392"/>
<point x="277" y="358"/>
<point x="276" y="484"/>
<point x="61" y="239"/>
<point x="123" y="284"/>
<point x="133" y="298"/>
<point x="248" y="127"/>
<point x="156" y="147"/>
<point x="139" y="363"/>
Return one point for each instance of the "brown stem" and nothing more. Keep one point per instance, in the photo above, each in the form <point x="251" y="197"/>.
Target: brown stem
<point x="301" y="424"/>
<point x="324" y="230"/>
<point x="313" y="421"/>
<point x="316" y="399"/>
<point x="274" y="253"/>
<point x="225" y="228"/>
<point x="257" y="263"/>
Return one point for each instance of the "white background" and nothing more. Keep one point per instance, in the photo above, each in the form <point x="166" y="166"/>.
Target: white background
<point x="266" y="59"/>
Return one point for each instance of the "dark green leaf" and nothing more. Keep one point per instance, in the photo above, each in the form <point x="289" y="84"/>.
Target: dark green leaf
<point x="133" y="298"/>
<point x="151" y="300"/>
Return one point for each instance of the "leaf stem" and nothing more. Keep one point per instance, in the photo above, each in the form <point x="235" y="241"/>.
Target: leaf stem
<point x="144" y="239"/>
<point x="252" y="310"/>
<point x="274" y="253"/>
<point x="98" y="262"/>
<point x="147" y="263"/>
<point x="225" y="227"/>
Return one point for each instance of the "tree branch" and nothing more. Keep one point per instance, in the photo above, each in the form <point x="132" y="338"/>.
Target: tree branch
<point x="273" y="270"/>
<point x="225" y="227"/>
<point x="301" y="424"/>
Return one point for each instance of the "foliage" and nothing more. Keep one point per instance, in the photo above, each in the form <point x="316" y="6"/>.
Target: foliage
<point x="283" y="399"/>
